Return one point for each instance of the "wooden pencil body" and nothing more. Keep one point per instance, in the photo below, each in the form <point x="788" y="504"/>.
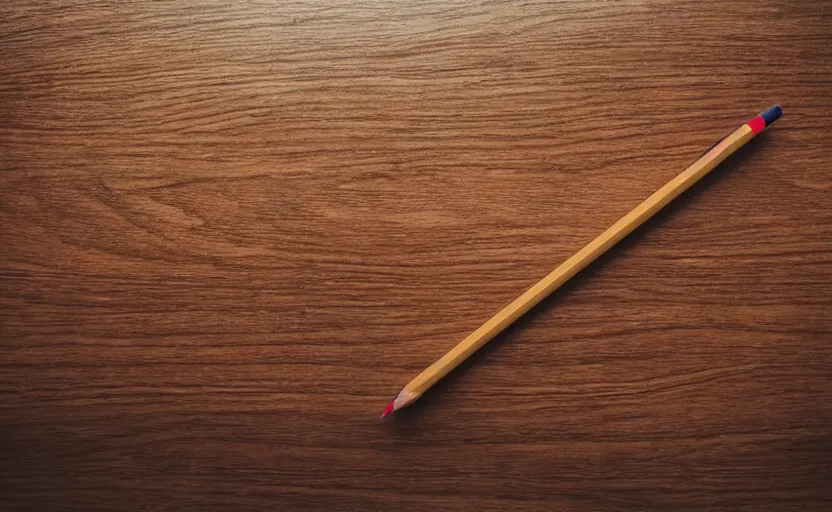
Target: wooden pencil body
<point x="591" y="251"/>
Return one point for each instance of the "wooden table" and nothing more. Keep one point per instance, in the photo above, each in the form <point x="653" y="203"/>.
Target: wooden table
<point x="232" y="231"/>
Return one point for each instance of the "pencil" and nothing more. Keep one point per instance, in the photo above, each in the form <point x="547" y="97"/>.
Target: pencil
<point x="621" y="228"/>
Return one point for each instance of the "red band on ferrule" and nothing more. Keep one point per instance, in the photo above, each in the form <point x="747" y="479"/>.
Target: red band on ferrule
<point x="757" y="124"/>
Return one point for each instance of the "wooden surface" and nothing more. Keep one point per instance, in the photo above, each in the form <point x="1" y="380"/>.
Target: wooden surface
<point x="230" y="232"/>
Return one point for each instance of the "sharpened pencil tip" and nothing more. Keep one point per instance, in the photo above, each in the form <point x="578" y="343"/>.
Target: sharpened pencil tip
<point x="387" y="410"/>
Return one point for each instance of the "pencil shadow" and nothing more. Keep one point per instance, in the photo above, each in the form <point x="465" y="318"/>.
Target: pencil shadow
<point x="432" y="396"/>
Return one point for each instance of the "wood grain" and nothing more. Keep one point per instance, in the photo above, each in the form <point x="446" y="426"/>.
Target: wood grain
<point x="231" y="231"/>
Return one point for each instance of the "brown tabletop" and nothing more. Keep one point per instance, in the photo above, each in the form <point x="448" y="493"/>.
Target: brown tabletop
<point x="230" y="232"/>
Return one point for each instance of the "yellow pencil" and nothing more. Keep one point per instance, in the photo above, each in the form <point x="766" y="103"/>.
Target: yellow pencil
<point x="621" y="228"/>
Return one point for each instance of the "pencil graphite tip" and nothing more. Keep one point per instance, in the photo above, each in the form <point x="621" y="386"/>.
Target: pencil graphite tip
<point x="387" y="410"/>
